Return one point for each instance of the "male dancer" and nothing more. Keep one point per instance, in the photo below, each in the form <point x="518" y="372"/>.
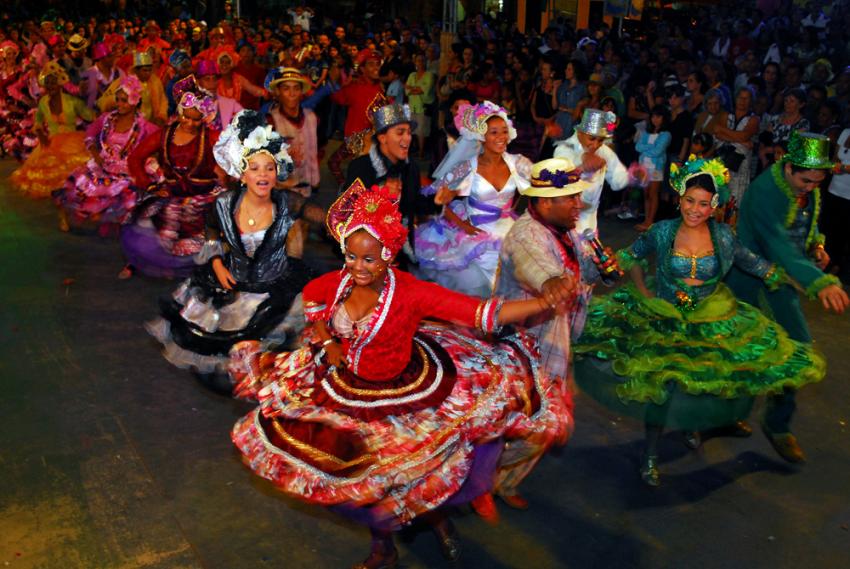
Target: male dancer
<point x="542" y="256"/>
<point x="777" y="219"/>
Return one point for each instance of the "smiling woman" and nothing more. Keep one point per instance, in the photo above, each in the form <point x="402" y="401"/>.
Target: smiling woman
<point x="246" y="287"/>
<point x="681" y="351"/>
<point x="460" y="249"/>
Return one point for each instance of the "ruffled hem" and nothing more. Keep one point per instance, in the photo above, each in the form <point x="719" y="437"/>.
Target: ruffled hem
<point x="47" y="169"/>
<point x="723" y="348"/>
<point x="93" y="195"/>
<point x="402" y="465"/>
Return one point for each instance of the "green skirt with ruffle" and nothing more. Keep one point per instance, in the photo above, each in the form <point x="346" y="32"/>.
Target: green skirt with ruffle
<point x="694" y="369"/>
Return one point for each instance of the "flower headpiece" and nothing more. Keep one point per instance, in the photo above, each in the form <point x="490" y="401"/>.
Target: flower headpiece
<point x="131" y="85"/>
<point x="189" y="95"/>
<point x="372" y="210"/>
<point x="694" y="167"/>
<point x="471" y="120"/>
<point x="226" y="50"/>
<point x="53" y="68"/>
<point x="9" y="46"/>
<point x="248" y="134"/>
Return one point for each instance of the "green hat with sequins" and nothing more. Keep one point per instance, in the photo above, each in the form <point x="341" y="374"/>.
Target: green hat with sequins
<point x="808" y="150"/>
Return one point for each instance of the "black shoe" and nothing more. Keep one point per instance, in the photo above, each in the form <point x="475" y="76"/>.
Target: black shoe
<point x="693" y="439"/>
<point x="449" y="540"/>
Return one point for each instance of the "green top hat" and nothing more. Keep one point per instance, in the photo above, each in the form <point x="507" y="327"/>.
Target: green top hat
<point x="808" y="150"/>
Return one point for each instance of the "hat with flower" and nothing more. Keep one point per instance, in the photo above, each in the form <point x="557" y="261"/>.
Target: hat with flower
<point x="131" y="85"/>
<point x="247" y="135"/>
<point x="8" y="46"/>
<point x="53" y="68"/>
<point x="189" y="95"/>
<point x="471" y="120"/>
<point x="598" y="123"/>
<point x="679" y="176"/>
<point x="226" y="51"/>
<point x="372" y="210"/>
<point x="555" y="177"/>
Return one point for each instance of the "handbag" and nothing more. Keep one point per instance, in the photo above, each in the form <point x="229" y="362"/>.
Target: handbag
<point x="731" y="158"/>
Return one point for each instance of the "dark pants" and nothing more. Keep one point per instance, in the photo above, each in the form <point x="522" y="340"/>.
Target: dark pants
<point x="784" y="305"/>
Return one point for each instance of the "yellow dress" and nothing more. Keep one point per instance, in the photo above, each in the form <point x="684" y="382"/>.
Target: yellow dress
<point x="47" y="168"/>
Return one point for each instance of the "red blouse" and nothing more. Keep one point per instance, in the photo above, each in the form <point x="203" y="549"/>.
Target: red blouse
<point x="381" y="350"/>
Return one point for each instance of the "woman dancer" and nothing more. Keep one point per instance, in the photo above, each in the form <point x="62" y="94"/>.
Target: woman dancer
<point x="683" y="352"/>
<point x="246" y="284"/>
<point x="460" y="249"/>
<point x="169" y="223"/>
<point x="100" y="192"/>
<point x="380" y="416"/>
<point x="61" y="148"/>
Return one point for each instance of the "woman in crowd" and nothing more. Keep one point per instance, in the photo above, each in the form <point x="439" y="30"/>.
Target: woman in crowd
<point x="713" y="115"/>
<point x="568" y="94"/>
<point x="99" y="194"/>
<point x="178" y="187"/>
<point x="652" y="145"/>
<point x="61" y="147"/>
<point x="696" y="92"/>
<point x="246" y="287"/>
<point x="736" y="138"/>
<point x="383" y="418"/>
<point x="779" y="127"/>
<point x="542" y="109"/>
<point x="681" y="351"/>
<point x="460" y="249"/>
<point x="420" y="96"/>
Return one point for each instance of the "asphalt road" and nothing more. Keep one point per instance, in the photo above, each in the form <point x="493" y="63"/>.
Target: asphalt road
<point x="111" y="458"/>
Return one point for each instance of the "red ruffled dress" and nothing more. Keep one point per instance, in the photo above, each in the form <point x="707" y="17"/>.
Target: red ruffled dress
<point x="416" y="421"/>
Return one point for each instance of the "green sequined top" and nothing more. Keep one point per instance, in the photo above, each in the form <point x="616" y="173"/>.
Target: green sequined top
<point x="710" y="267"/>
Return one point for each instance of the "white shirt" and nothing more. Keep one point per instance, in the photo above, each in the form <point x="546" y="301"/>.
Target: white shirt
<point x="840" y="185"/>
<point x="614" y="173"/>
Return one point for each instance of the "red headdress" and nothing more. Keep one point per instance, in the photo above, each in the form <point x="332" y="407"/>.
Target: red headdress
<point x="372" y="210"/>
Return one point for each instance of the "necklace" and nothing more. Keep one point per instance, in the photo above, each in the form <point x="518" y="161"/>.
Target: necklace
<point x="251" y="221"/>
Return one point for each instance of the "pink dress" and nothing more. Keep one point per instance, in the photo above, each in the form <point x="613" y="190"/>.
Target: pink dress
<point x="101" y="194"/>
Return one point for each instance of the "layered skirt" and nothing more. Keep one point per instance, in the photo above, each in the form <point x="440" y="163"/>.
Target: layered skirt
<point x="385" y="453"/>
<point x="690" y="369"/>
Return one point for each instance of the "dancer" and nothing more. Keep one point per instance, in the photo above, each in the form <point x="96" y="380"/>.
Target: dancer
<point x="380" y="416"/>
<point x="246" y="287"/>
<point x="61" y="148"/>
<point x="599" y="162"/>
<point x="684" y="353"/>
<point x="362" y="97"/>
<point x="541" y="256"/>
<point x="778" y="219"/>
<point x="169" y="223"/>
<point x="296" y="123"/>
<point x="388" y="159"/>
<point x="99" y="194"/>
<point x="154" y="105"/>
<point x="460" y="249"/>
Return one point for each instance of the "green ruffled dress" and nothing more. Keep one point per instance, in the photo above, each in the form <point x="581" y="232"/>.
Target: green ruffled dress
<point x="693" y="357"/>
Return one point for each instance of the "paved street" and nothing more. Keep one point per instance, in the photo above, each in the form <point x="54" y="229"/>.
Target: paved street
<point x="111" y="458"/>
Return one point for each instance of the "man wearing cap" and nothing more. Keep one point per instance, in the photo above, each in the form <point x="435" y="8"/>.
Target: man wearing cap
<point x="362" y="97"/>
<point x="387" y="162"/>
<point x="154" y="105"/>
<point x="99" y="76"/>
<point x="777" y="219"/>
<point x="541" y="256"/>
<point x="598" y="161"/>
